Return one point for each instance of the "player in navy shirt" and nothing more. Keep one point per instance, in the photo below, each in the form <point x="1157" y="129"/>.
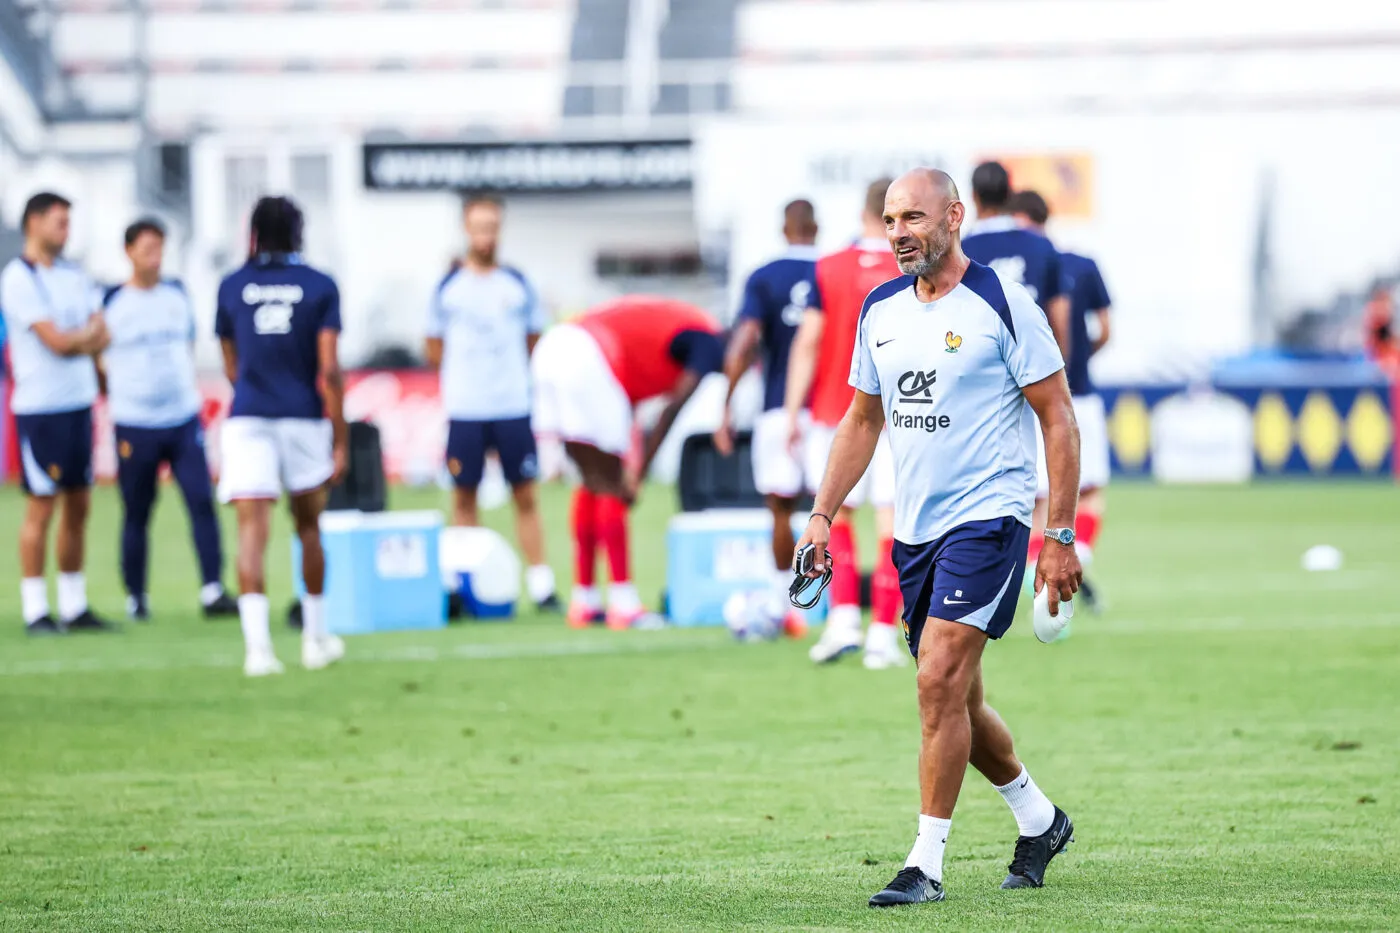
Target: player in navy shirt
<point x="1088" y="327"/>
<point x="775" y="298"/>
<point x="278" y="321"/>
<point x="1020" y="254"/>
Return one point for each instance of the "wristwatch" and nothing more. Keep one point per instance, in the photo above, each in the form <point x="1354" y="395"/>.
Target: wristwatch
<point x="1063" y="535"/>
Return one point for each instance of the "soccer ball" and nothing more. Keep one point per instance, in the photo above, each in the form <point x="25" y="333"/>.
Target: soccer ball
<point x="749" y="616"/>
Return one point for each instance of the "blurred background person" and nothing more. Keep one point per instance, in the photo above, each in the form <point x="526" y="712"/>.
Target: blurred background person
<point x="483" y="324"/>
<point x="1089" y="331"/>
<point x="55" y="330"/>
<point x="1382" y="342"/>
<point x="776" y="296"/>
<point x="589" y="376"/>
<point x="278" y="324"/>
<point x="153" y="396"/>
<point x="820" y="367"/>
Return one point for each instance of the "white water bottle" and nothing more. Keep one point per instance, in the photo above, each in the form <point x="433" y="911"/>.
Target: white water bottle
<point x="1050" y="628"/>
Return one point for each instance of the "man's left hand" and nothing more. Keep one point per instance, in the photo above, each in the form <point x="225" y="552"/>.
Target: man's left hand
<point x="1058" y="569"/>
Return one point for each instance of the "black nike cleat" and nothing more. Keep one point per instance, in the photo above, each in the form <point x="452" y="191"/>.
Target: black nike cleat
<point x="1089" y="597"/>
<point x="222" y="608"/>
<point x="551" y="605"/>
<point x="137" y="610"/>
<point x="910" y="886"/>
<point x="42" y="627"/>
<point x="1033" y="853"/>
<point x="88" y="622"/>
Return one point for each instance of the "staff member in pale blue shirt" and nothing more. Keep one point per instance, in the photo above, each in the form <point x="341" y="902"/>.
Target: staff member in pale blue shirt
<point x="483" y="323"/>
<point x="154" y="400"/>
<point x="55" y="329"/>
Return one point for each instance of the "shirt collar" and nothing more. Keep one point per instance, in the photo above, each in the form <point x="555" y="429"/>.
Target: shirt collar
<point x="805" y="251"/>
<point x="997" y="224"/>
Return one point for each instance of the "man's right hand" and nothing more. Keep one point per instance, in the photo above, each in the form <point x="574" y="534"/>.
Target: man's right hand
<point x="817" y="534"/>
<point x="95" y="334"/>
<point x="724" y="437"/>
<point x="794" y="436"/>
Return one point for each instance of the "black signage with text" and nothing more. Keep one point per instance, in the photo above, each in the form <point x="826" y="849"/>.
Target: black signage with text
<point x="529" y="167"/>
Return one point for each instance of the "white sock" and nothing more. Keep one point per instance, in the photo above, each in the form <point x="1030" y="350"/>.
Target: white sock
<point x="879" y="638"/>
<point x="622" y="597"/>
<point x="313" y="617"/>
<point x="1084" y="553"/>
<point x="587" y="596"/>
<point x="782" y="582"/>
<point x="72" y="595"/>
<point x="34" y="598"/>
<point x="846" y="620"/>
<point x="252" y="617"/>
<point x="927" y="854"/>
<point x="1033" y="810"/>
<point x="539" y="582"/>
<point x="210" y="592"/>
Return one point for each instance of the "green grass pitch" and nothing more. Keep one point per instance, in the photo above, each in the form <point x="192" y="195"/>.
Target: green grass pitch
<point x="1226" y="738"/>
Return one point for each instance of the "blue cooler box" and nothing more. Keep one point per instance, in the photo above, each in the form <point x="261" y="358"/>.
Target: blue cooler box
<point x="382" y="571"/>
<point x="716" y="553"/>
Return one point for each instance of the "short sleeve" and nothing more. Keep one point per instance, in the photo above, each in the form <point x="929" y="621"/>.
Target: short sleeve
<point x="19" y="297"/>
<point x="223" y="314"/>
<point x="1101" y="299"/>
<point x="698" y="351"/>
<point x="751" y="307"/>
<point x="330" y="307"/>
<point x="1031" y="354"/>
<point x="864" y="376"/>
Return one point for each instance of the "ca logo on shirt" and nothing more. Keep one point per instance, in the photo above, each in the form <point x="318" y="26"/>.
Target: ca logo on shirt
<point x="917" y="387"/>
<point x="273" y="318"/>
<point x="798" y="301"/>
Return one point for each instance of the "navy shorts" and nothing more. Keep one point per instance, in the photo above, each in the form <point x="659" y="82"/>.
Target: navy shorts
<point x="510" y="438"/>
<point x="55" y="451"/>
<point x="971" y="575"/>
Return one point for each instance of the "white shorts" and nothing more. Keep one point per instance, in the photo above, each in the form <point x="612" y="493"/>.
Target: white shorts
<point x="1093" y="446"/>
<point x="261" y="458"/>
<point x="577" y="397"/>
<point x="777" y="471"/>
<point x="875" y="487"/>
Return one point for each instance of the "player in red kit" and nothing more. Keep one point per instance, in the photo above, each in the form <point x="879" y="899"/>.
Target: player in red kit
<point x="589" y="375"/>
<point x="820" y="365"/>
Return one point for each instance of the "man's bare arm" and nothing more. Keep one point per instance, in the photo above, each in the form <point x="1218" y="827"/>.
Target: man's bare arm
<point x="82" y="341"/>
<point x="432" y="352"/>
<point x="802" y="366"/>
<point x="1058" y="314"/>
<point x="739" y="355"/>
<point x="1102" y="338"/>
<point x="230" y="351"/>
<point x="1059" y="566"/>
<point x="333" y="390"/>
<point x="851" y="451"/>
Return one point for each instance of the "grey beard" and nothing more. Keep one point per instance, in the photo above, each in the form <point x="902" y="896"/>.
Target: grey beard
<point x="919" y="266"/>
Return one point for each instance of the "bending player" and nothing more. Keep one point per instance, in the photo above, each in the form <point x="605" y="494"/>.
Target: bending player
<point x="278" y="322"/>
<point x="154" y="400"/>
<point x="821" y="355"/>
<point x="588" y="376"/>
<point x="1088" y="329"/>
<point x="775" y="298"/>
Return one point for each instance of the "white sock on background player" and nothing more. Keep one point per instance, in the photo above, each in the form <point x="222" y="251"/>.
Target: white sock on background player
<point x="253" y="619"/>
<point x="1033" y="810"/>
<point x="779" y="603"/>
<point x="587" y="596"/>
<point x="539" y="582"/>
<point x="72" y="595"/>
<point x="927" y="854"/>
<point x="34" y="598"/>
<point x="623" y="598"/>
<point x="210" y="592"/>
<point x="313" y="617"/>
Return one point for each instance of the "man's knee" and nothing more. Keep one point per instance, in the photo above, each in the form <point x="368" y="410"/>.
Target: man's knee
<point x="526" y="501"/>
<point x="76" y="504"/>
<point x="949" y="658"/>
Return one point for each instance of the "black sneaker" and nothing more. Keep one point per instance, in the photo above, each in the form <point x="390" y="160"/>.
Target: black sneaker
<point x="42" y="627"/>
<point x="1033" y="853"/>
<point x="87" y="622"/>
<point x="910" y="886"/>
<point x="1088" y="597"/>
<point x="137" y="610"/>
<point x="551" y="605"/>
<point x="221" y="608"/>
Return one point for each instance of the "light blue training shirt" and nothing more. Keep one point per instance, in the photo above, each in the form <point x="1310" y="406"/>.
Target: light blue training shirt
<point x="46" y="383"/>
<point x="151" y="379"/>
<point x="483" y="320"/>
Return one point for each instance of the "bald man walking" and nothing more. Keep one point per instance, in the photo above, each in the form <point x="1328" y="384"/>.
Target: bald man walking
<point x="959" y="362"/>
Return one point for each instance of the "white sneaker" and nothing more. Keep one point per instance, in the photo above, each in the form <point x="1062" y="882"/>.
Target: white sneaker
<point x="261" y="664"/>
<point x="834" y="644"/>
<point x="880" y="660"/>
<point x="321" y="652"/>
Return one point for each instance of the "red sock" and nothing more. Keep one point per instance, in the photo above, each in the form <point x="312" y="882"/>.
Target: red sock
<point x="612" y="532"/>
<point x="885" y="597"/>
<point x="845" y="579"/>
<point x="585" y="537"/>
<point x="1086" y="528"/>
